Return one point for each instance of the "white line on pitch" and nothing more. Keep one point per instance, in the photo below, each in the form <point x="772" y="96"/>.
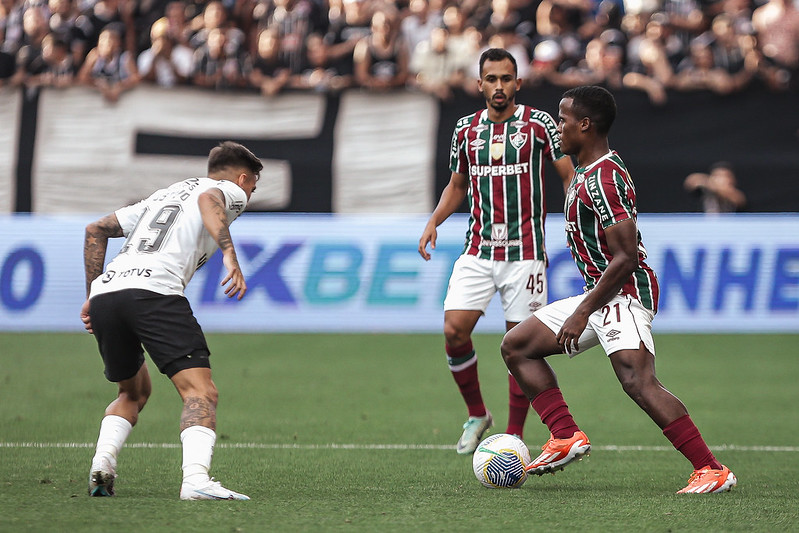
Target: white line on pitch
<point x="276" y="446"/>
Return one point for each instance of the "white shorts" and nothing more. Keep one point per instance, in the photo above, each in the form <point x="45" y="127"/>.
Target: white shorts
<point x="623" y="324"/>
<point x="522" y="286"/>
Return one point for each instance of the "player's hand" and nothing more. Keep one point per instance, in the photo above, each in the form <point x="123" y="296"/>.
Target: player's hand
<point x="85" y="318"/>
<point x="429" y="236"/>
<point x="569" y="334"/>
<point x="236" y="285"/>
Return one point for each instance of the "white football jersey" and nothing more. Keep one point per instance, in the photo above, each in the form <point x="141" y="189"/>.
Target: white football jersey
<point x="166" y="239"/>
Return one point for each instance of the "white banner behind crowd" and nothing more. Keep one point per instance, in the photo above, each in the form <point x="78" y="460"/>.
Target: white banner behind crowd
<point x="337" y="273"/>
<point x="86" y="160"/>
<point x="10" y="101"/>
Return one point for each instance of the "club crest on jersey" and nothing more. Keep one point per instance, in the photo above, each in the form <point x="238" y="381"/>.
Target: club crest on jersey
<point x="571" y="195"/>
<point x="518" y="139"/>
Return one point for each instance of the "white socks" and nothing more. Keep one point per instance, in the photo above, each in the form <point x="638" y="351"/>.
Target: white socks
<point x="114" y="430"/>
<point x="198" y="449"/>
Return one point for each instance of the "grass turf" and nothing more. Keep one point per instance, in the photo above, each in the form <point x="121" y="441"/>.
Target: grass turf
<point x="291" y="406"/>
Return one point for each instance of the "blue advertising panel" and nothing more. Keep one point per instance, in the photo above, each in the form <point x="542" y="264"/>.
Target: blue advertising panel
<point x="336" y="273"/>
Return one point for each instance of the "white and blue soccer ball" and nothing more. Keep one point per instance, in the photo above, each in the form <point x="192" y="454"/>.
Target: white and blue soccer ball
<point x="499" y="461"/>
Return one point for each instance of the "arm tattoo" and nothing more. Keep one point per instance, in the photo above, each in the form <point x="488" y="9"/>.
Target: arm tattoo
<point x="198" y="411"/>
<point x="217" y="211"/>
<point x="94" y="246"/>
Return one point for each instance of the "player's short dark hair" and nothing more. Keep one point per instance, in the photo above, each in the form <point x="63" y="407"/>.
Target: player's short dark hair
<point x="229" y="154"/>
<point x="594" y="102"/>
<point x="497" y="54"/>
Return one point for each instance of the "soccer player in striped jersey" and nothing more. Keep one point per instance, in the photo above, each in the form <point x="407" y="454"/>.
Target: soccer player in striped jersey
<point x="616" y="309"/>
<point x="138" y="301"/>
<point x="497" y="161"/>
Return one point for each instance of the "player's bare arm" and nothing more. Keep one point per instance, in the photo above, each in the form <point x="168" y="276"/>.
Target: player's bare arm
<point x="95" y="244"/>
<point x="212" y="210"/>
<point x="451" y="198"/>
<point x="623" y="244"/>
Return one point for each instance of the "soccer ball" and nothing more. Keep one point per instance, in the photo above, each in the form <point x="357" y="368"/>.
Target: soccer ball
<point x="499" y="461"/>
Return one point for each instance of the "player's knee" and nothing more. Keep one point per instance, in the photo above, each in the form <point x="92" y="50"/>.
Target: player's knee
<point x="512" y="348"/>
<point x="455" y="336"/>
<point x="207" y="391"/>
<point x="637" y="385"/>
<point x="212" y="394"/>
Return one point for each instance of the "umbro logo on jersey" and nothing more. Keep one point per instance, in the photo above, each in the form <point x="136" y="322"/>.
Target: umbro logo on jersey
<point x="477" y="143"/>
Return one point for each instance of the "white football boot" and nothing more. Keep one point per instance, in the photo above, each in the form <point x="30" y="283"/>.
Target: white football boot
<point x="210" y="490"/>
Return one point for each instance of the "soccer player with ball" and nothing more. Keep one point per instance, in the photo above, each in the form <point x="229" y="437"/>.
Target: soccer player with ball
<point x="616" y="309"/>
<point x="138" y="301"/>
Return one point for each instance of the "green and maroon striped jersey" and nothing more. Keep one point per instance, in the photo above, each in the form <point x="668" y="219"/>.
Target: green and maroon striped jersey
<point x="505" y="165"/>
<point x="599" y="196"/>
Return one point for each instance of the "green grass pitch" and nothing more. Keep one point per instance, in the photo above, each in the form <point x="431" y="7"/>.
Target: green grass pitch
<point x="357" y="433"/>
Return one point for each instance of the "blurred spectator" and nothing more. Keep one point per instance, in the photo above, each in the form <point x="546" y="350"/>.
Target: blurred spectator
<point x="460" y="38"/>
<point x="685" y="18"/>
<point x="603" y="65"/>
<point x="698" y="71"/>
<point x="166" y="63"/>
<point x="345" y="32"/>
<point x="108" y="68"/>
<point x="51" y="67"/>
<point x="268" y="72"/>
<point x="319" y="73"/>
<point x="650" y="57"/>
<point x="178" y="23"/>
<point x="436" y="68"/>
<point x="34" y="27"/>
<point x="214" y="18"/>
<point x="381" y="59"/>
<point x="546" y="64"/>
<point x="295" y="20"/>
<point x="732" y="51"/>
<point x="216" y="65"/>
<point x="718" y="190"/>
<point x="11" y="32"/>
<point x="501" y="16"/>
<point x="418" y="22"/>
<point x="560" y="23"/>
<point x="603" y="15"/>
<point x="144" y="13"/>
<point x="103" y="13"/>
<point x="777" y="26"/>
<point x="740" y="14"/>
<point x="29" y="55"/>
<point x="63" y="25"/>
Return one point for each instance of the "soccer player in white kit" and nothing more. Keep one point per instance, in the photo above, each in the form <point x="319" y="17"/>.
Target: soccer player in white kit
<point x="138" y="304"/>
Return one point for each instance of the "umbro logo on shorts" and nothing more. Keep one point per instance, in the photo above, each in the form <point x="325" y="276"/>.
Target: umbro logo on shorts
<point x="613" y="335"/>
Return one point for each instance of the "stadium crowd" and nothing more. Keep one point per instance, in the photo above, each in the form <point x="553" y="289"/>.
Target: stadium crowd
<point x="432" y="45"/>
